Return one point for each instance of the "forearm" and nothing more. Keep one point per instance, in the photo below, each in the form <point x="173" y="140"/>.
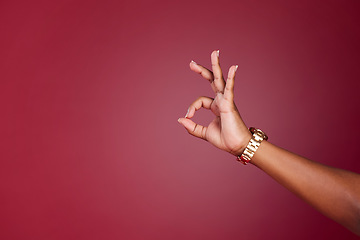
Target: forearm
<point x="334" y="192"/>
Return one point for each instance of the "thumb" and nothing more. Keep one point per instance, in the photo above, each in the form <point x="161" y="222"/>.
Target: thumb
<point x="193" y="128"/>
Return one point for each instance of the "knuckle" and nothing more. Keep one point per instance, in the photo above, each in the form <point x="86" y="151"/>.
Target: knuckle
<point x="195" y="128"/>
<point x="203" y="133"/>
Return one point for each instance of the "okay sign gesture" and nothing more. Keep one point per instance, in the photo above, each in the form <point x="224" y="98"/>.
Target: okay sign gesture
<point x="227" y="131"/>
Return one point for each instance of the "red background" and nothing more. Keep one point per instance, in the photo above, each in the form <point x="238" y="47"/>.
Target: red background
<point x="90" y="94"/>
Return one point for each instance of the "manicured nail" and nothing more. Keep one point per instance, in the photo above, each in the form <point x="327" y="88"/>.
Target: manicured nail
<point x="187" y="113"/>
<point x="218" y="53"/>
<point x="193" y="62"/>
<point x="179" y="119"/>
<point x="236" y="67"/>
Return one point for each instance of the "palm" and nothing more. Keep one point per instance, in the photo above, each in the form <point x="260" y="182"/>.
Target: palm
<point x="213" y="133"/>
<point x="217" y="133"/>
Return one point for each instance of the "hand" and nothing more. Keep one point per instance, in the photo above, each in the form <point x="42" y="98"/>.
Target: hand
<point x="227" y="131"/>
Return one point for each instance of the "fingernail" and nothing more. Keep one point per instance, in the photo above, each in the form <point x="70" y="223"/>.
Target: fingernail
<point x="236" y="67"/>
<point x="187" y="113"/>
<point x="218" y="53"/>
<point x="179" y="119"/>
<point x="193" y="62"/>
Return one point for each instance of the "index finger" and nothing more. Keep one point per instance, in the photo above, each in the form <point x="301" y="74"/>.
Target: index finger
<point x="204" y="72"/>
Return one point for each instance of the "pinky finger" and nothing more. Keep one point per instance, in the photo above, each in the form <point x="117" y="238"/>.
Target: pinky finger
<point x="193" y="128"/>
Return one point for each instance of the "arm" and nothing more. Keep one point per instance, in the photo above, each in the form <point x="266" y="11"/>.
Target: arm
<point x="334" y="192"/>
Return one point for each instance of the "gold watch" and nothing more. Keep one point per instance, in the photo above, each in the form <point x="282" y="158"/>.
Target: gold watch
<point x="257" y="137"/>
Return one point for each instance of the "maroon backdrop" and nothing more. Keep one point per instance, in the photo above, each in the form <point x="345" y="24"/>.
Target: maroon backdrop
<point x="90" y="94"/>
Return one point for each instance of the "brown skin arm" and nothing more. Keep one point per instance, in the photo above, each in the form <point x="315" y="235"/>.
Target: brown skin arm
<point x="334" y="192"/>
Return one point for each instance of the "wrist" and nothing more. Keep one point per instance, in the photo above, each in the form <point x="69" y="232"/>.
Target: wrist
<point x="257" y="138"/>
<point x="242" y="146"/>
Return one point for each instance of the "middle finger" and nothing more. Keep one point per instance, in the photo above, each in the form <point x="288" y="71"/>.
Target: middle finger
<point x="219" y="82"/>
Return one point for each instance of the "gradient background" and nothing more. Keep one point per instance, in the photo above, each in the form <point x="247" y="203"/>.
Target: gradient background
<point x="90" y="94"/>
